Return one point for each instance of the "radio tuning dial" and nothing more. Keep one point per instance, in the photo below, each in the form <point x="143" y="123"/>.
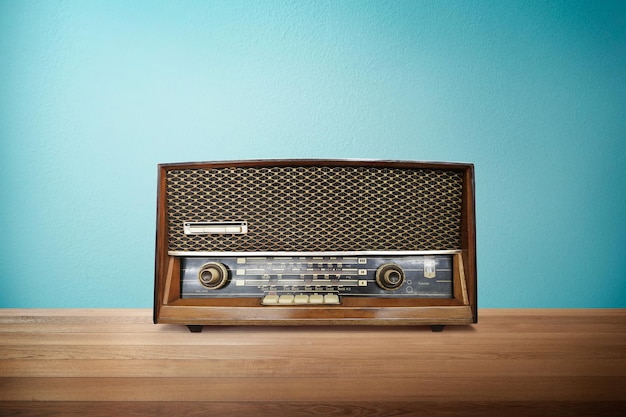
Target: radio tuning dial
<point x="213" y="275"/>
<point x="389" y="276"/>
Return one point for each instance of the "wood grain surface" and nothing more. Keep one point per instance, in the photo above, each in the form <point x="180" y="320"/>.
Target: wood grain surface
<point x="116" y="362"/>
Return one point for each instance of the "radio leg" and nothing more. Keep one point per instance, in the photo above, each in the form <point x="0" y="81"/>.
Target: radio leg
<point x="195" y="328"/>
<point x="437" y="327"/>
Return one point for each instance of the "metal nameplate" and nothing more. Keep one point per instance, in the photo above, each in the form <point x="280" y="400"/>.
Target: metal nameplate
<point x="215" y="228"/>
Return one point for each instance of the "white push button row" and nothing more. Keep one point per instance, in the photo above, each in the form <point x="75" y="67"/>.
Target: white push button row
<point x="300" y="299"/>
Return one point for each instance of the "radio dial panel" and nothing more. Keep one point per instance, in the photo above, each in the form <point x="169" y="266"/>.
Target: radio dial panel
<point x="307" y="280"/>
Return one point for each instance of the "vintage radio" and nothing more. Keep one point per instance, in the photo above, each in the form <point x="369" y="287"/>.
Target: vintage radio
<point x="297" y="242"/>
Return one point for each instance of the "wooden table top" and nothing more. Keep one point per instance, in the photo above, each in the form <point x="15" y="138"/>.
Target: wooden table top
<point x="103" y="362"/>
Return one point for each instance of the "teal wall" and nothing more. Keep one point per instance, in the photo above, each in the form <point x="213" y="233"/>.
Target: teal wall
<point x="93" y="94"/>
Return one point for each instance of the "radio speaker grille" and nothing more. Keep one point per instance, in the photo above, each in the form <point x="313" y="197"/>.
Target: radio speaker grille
<point x="317" y="208"/>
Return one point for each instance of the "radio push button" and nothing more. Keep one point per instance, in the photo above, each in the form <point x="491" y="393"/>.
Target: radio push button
<point x="285" y="299"/>
<point x="316" y="299"/>
<point x="331" y="299"/>
<point x="270" y="299"/>
<point x="301" y="299"/>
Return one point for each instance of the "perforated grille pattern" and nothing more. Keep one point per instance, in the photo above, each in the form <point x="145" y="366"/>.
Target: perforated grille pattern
<point x="317" y="208"/>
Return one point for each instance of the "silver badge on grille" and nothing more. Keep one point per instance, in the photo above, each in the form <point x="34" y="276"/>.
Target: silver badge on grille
<point x="215" y="228"/>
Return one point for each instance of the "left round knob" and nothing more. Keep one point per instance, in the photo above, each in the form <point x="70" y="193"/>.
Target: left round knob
<point x="213" y="275"/>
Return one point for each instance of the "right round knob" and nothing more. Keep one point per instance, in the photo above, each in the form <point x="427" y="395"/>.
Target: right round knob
<point x="389" y="276"/>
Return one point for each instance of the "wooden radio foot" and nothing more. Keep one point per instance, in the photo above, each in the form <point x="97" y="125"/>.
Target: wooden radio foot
<point x="195" y="328"/>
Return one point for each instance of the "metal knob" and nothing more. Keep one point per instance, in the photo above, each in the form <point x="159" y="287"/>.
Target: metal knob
<point x="389" y="276"/>
<point x="213" y="275"/>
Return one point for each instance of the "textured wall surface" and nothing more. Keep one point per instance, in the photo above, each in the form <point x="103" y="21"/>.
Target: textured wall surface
<point x="93" y="94"/>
